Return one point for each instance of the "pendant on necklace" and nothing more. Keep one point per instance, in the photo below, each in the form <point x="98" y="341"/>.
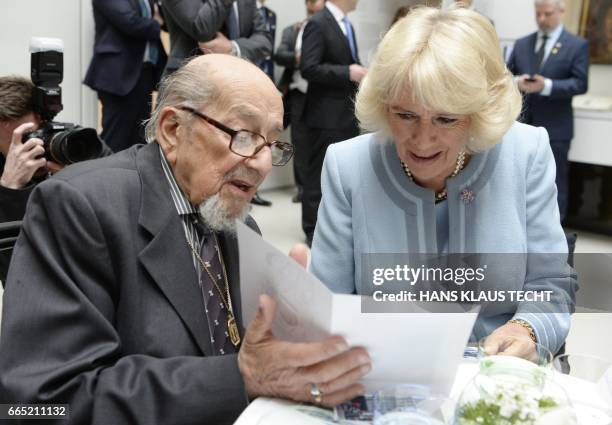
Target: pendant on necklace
<point x="232" y="329"/>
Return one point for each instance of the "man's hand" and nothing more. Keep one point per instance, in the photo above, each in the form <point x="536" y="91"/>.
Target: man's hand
<point x="357" y="72"/>
<point x="511" y="339"/>
<point x="531" y="86"/>
<point x="22" y="159"/>
<point x="275" y="368"/>
<point x="219" y="44"/>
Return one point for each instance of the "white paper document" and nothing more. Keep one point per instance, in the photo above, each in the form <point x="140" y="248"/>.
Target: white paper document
<point x="409" y="347"/>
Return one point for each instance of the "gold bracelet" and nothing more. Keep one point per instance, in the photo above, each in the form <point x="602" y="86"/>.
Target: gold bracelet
<point x="527" y="326"/>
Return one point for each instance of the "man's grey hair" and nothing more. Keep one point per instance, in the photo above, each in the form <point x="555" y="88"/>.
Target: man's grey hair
<point x="189" y="86"/>
<point x="559" y="3"/>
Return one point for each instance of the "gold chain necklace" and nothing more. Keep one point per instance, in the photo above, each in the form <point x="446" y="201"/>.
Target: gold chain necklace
<point x="232" y="327"/>
<point x="443" y="194"/>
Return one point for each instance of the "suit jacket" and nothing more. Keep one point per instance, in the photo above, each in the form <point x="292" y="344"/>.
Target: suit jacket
<point x="326" y="56"/>
<point x="568" y="69"/>
<point x="13" y="204"/>
<point x="514" y="210"/>
<point x="285" y="56"/>
<point x="190" y="21"/>
<point x="121" y="37"/>
<point x="104" y="282"/>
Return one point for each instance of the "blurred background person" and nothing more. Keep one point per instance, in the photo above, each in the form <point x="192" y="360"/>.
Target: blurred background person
<point x="269" y="18"/>
<point x="215" y="26"/>
<point x="552" y="66"/>
<point x="330" y="63"/>
<point x="267" y="66"/>
<point x="126" y="67"/>
<point x="447" y="170"/>
<point x="294" y="87"/>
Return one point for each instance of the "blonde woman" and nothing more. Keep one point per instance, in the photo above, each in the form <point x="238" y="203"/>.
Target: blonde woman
<point x="447" y="169"/>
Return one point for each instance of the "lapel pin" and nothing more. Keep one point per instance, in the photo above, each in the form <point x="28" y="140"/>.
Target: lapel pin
<point x="467" y="196"/>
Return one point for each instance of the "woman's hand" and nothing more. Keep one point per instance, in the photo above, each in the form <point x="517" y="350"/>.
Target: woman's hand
<point x="512" y="339"/>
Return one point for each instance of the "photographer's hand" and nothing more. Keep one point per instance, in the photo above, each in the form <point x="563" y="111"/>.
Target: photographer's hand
<point x="22" y="159"/>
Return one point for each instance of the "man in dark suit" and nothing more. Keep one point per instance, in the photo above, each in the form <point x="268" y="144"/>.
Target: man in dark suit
<point x="330" y="64"/>
<point x="215" y="26"/>
<point x="127" y="64"/>
<point x="293" y="87"/>
<point x="552" y="66"/>
<point x="125" y="274"/>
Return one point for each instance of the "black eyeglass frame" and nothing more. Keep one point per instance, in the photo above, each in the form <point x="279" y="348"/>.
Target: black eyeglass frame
<point x="284" y="146"/>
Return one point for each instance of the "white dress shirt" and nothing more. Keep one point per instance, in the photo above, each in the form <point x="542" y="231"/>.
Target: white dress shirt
<point x="338" y="15"/>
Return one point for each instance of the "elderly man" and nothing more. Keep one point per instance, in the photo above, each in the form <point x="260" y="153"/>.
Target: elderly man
<point x="123" y="298"/>
<point x="552" y="66"/>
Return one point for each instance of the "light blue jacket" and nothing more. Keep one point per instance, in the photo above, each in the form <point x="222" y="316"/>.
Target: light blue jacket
<point x="370" y="206"/>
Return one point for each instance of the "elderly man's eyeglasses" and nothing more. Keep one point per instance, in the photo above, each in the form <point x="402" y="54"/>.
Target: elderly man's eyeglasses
<point x="247" y="143"/>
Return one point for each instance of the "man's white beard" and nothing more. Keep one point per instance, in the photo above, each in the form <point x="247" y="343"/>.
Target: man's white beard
<point x="217" y="218"/>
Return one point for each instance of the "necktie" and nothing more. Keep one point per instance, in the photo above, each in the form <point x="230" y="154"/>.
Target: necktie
<point x="541" y="52"/>
<point x="233" y="28"/>
<point x="215" y="308"/>
<point x="351" y="38"/>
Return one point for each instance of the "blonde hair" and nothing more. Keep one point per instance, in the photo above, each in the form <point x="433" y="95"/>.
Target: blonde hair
<point x="445" y="60"/>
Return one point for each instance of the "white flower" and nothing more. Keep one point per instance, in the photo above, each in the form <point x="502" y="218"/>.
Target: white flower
<point x="560" y="416"/>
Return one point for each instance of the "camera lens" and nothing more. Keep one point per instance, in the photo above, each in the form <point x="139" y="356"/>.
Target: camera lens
<point x="75" y="145"/>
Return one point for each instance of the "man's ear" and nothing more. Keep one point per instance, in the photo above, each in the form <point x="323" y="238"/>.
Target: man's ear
<point x="168" y="132"/>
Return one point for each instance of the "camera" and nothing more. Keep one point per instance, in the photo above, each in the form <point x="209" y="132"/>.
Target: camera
<point x="64" y="143"/>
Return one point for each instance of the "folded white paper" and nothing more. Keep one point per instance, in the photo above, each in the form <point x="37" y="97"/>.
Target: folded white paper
<point x="412" y="346"/>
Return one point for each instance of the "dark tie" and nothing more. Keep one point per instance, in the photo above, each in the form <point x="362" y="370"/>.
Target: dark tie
<point x="351" y="38"/>
<point x="233" y="27"/>
<point x="541" y="52"/>
<point x="215" y="308"/>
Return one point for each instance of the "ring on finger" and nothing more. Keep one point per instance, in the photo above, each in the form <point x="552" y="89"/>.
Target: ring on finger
<point x="316" y="393"/>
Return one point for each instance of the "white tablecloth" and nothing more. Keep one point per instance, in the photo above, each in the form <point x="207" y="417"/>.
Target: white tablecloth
<point x="265" y="411"/>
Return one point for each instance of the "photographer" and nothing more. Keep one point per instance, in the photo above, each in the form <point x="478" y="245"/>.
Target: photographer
<point x="22" y="165"/>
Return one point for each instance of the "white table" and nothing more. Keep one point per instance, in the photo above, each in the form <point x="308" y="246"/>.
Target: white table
<point x="265" y="411"/>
